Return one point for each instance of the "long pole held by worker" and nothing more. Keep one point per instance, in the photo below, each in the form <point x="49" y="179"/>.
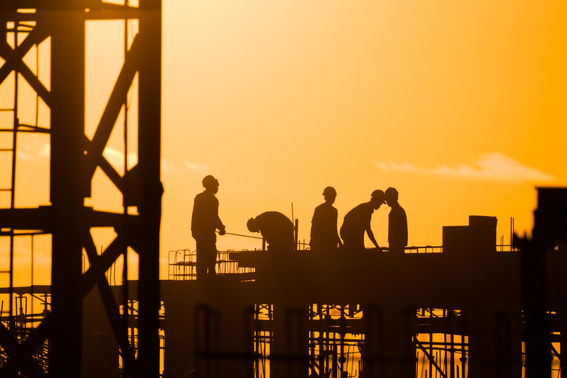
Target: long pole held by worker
<point x="244" y="236"/>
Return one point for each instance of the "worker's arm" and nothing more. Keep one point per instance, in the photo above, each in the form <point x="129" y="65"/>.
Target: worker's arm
<point x="222" y="231"/>
<point x="371" y="236"/>
<point x="335" y="220"/>
<point x="221" y="227"/>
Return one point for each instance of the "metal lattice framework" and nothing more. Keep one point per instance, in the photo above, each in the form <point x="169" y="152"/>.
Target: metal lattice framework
<point x="74" y="158"/>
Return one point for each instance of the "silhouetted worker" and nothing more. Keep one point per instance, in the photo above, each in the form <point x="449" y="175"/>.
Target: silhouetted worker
<point x="397" y="223"/>
<point x="275" y="228"/>
<point x="324" y="235"/>
<point x="357" y="221"/>
<point x="204" y="222"/>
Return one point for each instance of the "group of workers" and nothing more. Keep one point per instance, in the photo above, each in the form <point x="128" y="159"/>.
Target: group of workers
<point x="357" y="222"/>
<point x="278" y="230"/>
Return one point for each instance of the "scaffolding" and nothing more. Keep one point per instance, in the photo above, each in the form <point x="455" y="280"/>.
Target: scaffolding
<point x="441" y="345"/>
<point x="44" y="105"/>
<point x="336" y="342"/>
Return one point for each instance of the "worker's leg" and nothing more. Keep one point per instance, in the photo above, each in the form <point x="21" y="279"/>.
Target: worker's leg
<point x="206" y="259"/>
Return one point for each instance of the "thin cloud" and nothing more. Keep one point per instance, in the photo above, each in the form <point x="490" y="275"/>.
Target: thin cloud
<point x="195" y="166"/>
<point x="116" y="157"/>
<point x="33" y="151"/>
<point x="489" y="167"/>
<point x="24" y="156"/>
<point x="166" y="166"/>
<point x="45" y="150"/>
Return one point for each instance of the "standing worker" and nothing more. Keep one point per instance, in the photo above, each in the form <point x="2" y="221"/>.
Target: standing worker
<point x="324" y="235"/>
<point x="357" y="222"/>
<point x="397" y="223"/>
<point x="204" y="222"/>
<point x="276" y="229"/>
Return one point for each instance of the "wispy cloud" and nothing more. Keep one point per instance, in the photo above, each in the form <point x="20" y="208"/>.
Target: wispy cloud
<point x="490" y="167"/>
<point x="24" y="156"/>
<point x="116" y="157"/>
<point x="45" y="150"/>
<point x="33" y="151"/>
<point x="169" y="165"/>
<point x="172" y="165"/>
<point x="166" y="165"/>
<point x="195" y="166"/>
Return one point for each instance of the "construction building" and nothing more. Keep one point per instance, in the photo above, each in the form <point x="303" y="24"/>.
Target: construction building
<point x="457" y="310"/>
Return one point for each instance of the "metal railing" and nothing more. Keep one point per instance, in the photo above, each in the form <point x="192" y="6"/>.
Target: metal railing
<point x="182" y="264"/>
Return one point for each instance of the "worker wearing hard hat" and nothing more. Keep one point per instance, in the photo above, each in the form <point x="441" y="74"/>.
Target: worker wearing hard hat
<point x="357" y="222"/>
<point x="204" y="223"/>
<point x="276" y="229"/>
<point x="397" y="223"/>
<point x="324" y="235"/>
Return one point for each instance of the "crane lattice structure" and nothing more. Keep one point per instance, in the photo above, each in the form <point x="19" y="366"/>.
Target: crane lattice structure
<point x="54" y="32"/>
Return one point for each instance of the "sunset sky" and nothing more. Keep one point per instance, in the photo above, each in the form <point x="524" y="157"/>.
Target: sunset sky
<point x="460" y="105"/>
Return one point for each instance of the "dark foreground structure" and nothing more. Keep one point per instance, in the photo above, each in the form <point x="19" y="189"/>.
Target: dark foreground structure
<point x="468" y="308"/>
<point x="43" y="78"/>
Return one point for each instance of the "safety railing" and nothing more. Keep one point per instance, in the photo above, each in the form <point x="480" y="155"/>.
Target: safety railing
<point x="182" y="264"/>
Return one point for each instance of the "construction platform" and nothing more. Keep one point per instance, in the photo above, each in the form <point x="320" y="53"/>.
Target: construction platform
<point x="468" y="308"/>
<point x="455" y="311"/>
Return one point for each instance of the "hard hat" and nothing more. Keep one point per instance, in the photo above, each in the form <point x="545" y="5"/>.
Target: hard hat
<point x="329" y="190"/>
<point x="210" y="180"/>
<point x="377" y="192"/>
<point x="252" y="225"/>
<point x="392" y="192"/>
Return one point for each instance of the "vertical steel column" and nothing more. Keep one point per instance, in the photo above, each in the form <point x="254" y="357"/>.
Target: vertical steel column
<point x="67" y="179"/>
<point x="149" y="150"/>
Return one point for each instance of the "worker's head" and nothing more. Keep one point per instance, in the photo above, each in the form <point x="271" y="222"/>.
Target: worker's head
<point x="330" y="194"/>
<point x="252" y="225"/>
<point x="211" y="184"/>
<point x="377" y="199"/>
<point x="391" y="196"/>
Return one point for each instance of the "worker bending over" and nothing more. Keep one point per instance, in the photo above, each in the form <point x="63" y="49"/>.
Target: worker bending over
<point x="276" y="229"/>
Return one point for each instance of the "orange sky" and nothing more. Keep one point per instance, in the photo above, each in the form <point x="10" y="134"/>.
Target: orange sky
<point x="459" y="105"/>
